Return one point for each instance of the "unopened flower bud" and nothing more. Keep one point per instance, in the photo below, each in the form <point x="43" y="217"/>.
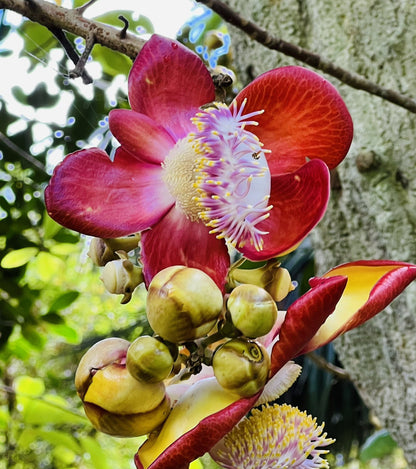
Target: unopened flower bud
<point x="121" y="277"/>
<point x="148" y="359"/>
<point x="252" y="310"/>
<point x="281" y="284"/>
<point x="273" y="278"/>
<point x="131" y="425"/>
<point x="102" y="251"/>
<point x="183" y="303"/>
<point x="111" y="396"/>
<point x="241" y="366"/>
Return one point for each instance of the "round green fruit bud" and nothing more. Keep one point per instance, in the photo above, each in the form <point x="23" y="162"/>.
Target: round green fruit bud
<point x="149" y="360"/>
<point x="183" y="304"/>
<point x="241" y="366"/>
<point x="253" y="311"/>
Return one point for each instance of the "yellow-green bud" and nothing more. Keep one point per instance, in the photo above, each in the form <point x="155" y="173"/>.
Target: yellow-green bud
<point x="149" y="360"/>
<point x="100" y="253"/>
<point x="281" y="284"/>
<point x="183" y="304"/>
<point x="121" y="277"/>
<point x="273" y="278"/>
<point x="253" y="311"/>
<point x="111" y="395"/>
<point x="102" y="250"/>
<point x="241" y="366"/>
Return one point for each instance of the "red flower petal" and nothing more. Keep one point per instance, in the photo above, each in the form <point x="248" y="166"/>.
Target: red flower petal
<point x="299" y="202"/>
<point x="194" y="442"/>
<point x="93" y="195"/>
<point x="304" y="317"/>
<point x="305" y="117"/>
<point x="168" y="83"/>
<point x="371" y="286"/>
<point x="140" y="135"/>
<point x="176" y="240"/>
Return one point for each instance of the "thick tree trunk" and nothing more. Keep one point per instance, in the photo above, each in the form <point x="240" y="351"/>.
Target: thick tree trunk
<point x="372" y="213"/>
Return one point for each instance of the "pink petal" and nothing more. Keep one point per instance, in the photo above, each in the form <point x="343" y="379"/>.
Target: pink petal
<point x="305" y="117"/>
<point x="371" y="286"/>
<point x="168" y="83"/>
<point x="140" y="135"/>
<point x="195" y="442"/>
<point x="93" y="195"/>
<point x="304" y="317"/>
<point x="299" y="202"/>
<point x="176" y="240"/>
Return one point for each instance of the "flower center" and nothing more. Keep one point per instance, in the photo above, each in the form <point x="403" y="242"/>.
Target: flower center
<point x="219" y="174"/>
<point x="274" y="437"/>
<point x="180" y="176"/>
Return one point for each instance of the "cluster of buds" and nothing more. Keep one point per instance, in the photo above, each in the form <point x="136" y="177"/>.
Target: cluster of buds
<point x="120" y="275"/>
<point x="123" y="385"/>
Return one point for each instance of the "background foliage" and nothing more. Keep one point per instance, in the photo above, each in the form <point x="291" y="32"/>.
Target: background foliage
<point x="52" y="304"/>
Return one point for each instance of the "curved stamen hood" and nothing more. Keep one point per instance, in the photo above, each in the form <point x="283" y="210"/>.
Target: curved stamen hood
<point x="219" y="174"/>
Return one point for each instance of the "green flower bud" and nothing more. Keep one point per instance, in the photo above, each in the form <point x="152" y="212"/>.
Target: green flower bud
<point x="252" y="310"/>
<point x="148" y="359"/>
<point x="122" y="277"/>
<point x="183" y="304"/>
<point x="273" y="278"/>
<point x="241" y="366"/>
<point x="111" y="396"/>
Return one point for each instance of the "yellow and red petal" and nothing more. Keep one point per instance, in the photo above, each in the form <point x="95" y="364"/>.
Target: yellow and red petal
<point x="91" y="194"/>
<point x="299" y="201"/>
<point x="168" y="83"/>
<point x="176" y="240"/>
<point x="140" y="135"/>
<point x="371" y="286"/>
<point x="304" y="317"/>
<point x="304" y="118"/>
<point x="198" y="421"/>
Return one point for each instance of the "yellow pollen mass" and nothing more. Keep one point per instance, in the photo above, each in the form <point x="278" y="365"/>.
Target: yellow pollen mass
<point x="274" y="437"/>
<point x="180" y="176"/>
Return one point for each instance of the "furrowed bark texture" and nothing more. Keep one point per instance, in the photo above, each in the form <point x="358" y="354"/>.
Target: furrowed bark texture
<point x="372" y="213"/>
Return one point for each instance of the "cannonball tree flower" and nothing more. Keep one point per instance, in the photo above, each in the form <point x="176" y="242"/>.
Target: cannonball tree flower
<point x="206" y="416"/>
<point x="191" y="174"/>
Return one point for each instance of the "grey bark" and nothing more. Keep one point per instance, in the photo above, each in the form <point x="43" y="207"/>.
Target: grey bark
<point x="372" y="212"/>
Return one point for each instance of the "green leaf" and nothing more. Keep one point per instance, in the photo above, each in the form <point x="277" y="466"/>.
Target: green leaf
<point x="378" y="445"/>
<point x="93" y="448"/>
<point x="19" y="94"/>
<point x="47" y="409"/>
<point x="38" y="41"/>
<point x="68" y="333"/>
<point x="4" y="31"/>
<point x="53" y="318"/>
<point x="64" y="300"/>
<point x="30" y="333"/>
<point x="49" y="266"/>
<point x="29" y="386"/>
<point x="113" y="62"/>
<point x="41" y="98"/>
<point x="60" y="439"/>
<point x="50" y="227"/>
<point x="4" y="418"/>
<point x="63" y="249"/>
<point x="18" y="257"/>
<point x="64" y="455"/>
